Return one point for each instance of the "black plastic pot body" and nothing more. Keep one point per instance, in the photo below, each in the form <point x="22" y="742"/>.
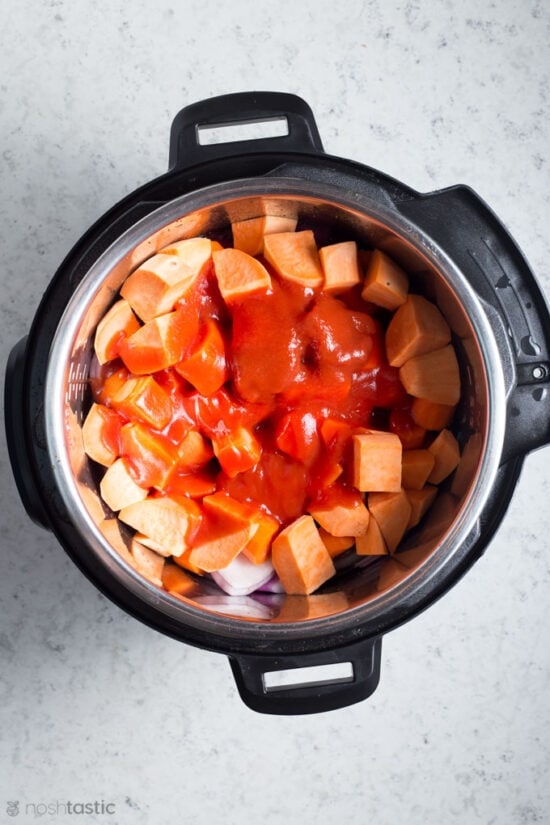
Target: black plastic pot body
<point x="482" y="283"/>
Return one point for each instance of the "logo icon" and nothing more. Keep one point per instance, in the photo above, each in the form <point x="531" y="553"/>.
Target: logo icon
<point x="12" y="808"/>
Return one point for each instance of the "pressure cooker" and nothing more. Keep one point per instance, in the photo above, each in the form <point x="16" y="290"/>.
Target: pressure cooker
<point x="459" y="255"/>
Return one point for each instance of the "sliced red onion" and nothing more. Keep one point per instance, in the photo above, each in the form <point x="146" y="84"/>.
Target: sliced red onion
<point x="243" y="606"/>
<point x="272" y="585"/>
<point x="242" y="577"/>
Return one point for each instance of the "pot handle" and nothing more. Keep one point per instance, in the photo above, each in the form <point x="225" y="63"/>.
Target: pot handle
<point x="14" y="384"/>
<point x="497" y="269"/>
<point x="253" y="674"/>
<point x="242" y="108"/>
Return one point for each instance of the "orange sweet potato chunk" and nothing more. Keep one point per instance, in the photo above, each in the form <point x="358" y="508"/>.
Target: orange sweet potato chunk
<point x="342" y="515"/>
<point x="205" y="365"/>
<point x="434" y="376"/>
<point x="377" y="461"/>
<point x="239" y="274"/>
<point x="416" y="468"/>
<point x="391" y="512"/>
<point x="157" y="284"/>
<point x="446" y="454"/>
<point x="159" y="343"/>
<point x="294" y="256"/>
<point x="340" y="265"/>
<point x="258" y="548"/>
<point x="420" y="501"/>
<point x="100" y="433"/>
<point x="237" y="451"/>
<point x="149" y="454"/>
<point x="217" y="550"/>
<point x="336" y="544"/>
<point x="372" y="543"/>
<point x="248" y="235"/>
<point x="430" y="415"/>
<point x="175" y="580"/>
<point x="145" y="400"/>
<point x="386" y="284"/>
<point x="118" y="488"/>
<point x="167" y="521"/>
<point x="148" y="563"/>
<point x="416" y="328"/>
<point x="116" y="325"/>
<point x="233" y="514"/>
<point x="300" y="558"/>
<point x="194" y="451"/>
<point x="193" y="252"/>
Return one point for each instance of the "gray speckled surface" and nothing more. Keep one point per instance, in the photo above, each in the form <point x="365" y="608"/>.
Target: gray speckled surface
<point x="93" y="705"/>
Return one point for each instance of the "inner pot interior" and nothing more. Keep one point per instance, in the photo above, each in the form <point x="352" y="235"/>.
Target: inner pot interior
<point x="362" y="582"/>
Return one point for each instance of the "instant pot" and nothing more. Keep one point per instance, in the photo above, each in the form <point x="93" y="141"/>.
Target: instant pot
<point x="456" y="252"/>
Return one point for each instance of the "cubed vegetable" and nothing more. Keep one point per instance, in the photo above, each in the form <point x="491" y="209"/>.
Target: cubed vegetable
<point x="148" y="563"/>
<point x="371" y="543"/>
<point x="386" y="284"/>
<point x="336" y="544"/>
<point x="377" y="461"/>
<point x="420" y="501"/>
<point x="248" y="235"/>
<point x="116" y="325"/>
<point x="446" y="453"/>
<point x="417" y="327"/>
<point x="391" y="512"/>
<point x="300" y="558"/>
<point x="430" y="415"/>
<point x="100" y="434"/>
<point x="434" y="376"/>
<point x="340" y="265"/>
<point x="118" y="488"/>
<point x="294" y="257"/>
<point x="416" y="468"/>
<point x="167" y="521"/>
<point x="341" y="512"/>
<point x="145" y="400"/>
<point x="154" y="288"/>
<point x="239" y="275"/>
<point x="205" y="365"/>
<point x="159" y="343"/>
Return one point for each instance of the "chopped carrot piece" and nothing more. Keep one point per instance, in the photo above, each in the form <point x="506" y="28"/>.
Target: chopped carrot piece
<point x="336" y="544"/>
<point x="416" y="467"/>
<point x="446" y="453"/>
<point x="148" y="563"/>
<point x="340" y="265"/>
<point x="342" y="513"/>
<point x="167" y="521"/>
<point x="205" y="365"/>
<point x="155" y="287"/>
<point x="434" y="376"/>
<point x="159" y="343"/>
<point x="239" y="275"/>
<point x="175" y="580"/>
<point x="386" y="284"/>
<point x="118" y="488"/>
<point x="391" y="512"/>
<point x="142" y="398"/>
<point x="100" y="434"/>
<point x="430" y="415"/>
<point x="116" y="325"/>
<point x="237" y="451"/>
<point x="420" y="501"/>
<point x="372" y="543"/>
<point x="248" y="235"/>
<point x="377" y="461"/>
<point x="149" y="454"/>
<point x="416" y="328"/>
<point x="294" y="257"/>
<point x="300" y="558"/>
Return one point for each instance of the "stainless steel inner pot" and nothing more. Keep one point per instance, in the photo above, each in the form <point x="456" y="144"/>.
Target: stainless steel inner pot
<point x="365" y="592"/>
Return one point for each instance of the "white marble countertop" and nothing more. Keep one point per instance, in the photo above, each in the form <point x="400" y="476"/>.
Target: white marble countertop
<point x="94" y="706"/>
